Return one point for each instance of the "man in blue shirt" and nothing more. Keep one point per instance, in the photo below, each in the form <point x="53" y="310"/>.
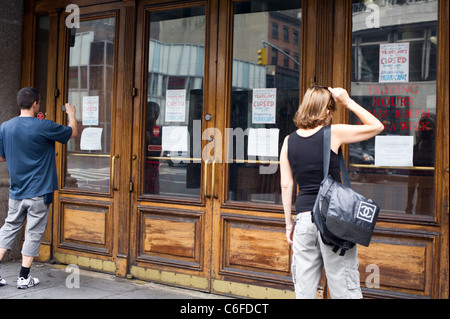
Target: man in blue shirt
<point x="27" y="144"/>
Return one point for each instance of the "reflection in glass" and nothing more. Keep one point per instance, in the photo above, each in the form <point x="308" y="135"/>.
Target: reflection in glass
<point x="90" y="89"/>
<point x="264" y="96"/>
<point x="406" y="107"/>
<point x="174" y="102"/>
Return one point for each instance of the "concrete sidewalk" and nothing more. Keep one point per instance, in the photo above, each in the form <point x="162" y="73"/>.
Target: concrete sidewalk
<point x="92" y="285"/>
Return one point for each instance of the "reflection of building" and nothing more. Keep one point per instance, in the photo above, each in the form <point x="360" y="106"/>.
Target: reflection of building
<point x="416" y="24"/>
<point x="180" y="66"/>
<point x="90" y="60"/>
<point x="405" y="108"/>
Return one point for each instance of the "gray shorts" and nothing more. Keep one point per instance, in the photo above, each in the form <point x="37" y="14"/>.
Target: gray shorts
<point x="35" y="212"/>
<point x="310" y="255"/>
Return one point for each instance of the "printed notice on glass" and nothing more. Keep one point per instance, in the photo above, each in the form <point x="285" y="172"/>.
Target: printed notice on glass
<point x="394" y="150"/>
<point x="263" y="142"/>
<point x="394" y="62"/>
<point x="90" y="110"/>
<point x="175" y="138"/>
<point x="264" y="106"/>
<point x="91" y="139"/>
<point x="175" y="105"/>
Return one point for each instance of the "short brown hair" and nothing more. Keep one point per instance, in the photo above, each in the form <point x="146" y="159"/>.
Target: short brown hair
<point x="26" y="97"/>
<point x="313" y="111"/>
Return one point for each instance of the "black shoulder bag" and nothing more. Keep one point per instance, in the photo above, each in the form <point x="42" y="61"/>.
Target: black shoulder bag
<point x="343" y="217"/>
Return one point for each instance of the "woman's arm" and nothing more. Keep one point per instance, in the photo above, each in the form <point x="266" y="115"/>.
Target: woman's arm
<point x="287" y="187"/>
<point x="346" y="133"/>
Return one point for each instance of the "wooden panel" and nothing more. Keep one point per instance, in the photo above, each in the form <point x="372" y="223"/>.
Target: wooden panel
<point x="404" y="259"/>
<point x="255" y="247"/>
<point x="169" y="236"/>
<point x="86" y="225"/>
<point x="83" y="225"/>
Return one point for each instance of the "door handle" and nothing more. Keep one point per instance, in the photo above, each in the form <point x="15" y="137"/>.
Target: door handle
<point x="205" y="180"/>
<point x="113" y="173"/>
<point x="213" y="194"/>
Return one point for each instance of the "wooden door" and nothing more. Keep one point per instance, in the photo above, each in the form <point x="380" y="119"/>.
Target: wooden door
<point x="260" y="51"/>
<point x="87" y="207"/>
<point x="174" y="112"/>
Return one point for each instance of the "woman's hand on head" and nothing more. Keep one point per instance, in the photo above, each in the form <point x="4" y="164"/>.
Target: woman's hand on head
<point x="340" y="95"/>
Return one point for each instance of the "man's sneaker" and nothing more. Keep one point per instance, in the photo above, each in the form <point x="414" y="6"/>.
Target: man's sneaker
<point x="2" y="281"/>
<point x="23" y="283"/>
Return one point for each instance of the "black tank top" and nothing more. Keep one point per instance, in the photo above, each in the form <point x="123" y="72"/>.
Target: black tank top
<point x="305" y="156"/>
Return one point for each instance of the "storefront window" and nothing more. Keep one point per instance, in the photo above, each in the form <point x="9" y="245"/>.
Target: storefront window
<point x="264" y="96"/>
<point x="90" y="89"/>
<point x="394" y="60"/>
<point x="174" y="102"/>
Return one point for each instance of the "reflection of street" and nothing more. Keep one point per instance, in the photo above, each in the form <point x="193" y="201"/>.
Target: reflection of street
<point x="389" y="188"/>
<point x="90" y="173"/>
<point x="90" y="176"/>
<point x="173" y="181"/>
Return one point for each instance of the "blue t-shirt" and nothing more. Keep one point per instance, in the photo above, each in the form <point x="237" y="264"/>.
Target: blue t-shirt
<point x="28" y="144"/>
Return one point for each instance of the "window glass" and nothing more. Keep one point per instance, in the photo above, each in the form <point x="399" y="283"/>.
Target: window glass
<point x="394" y="59"/>
<point x="264" y="96"/>
<point x="90" y="89"/>
<point x="174" y="102"/>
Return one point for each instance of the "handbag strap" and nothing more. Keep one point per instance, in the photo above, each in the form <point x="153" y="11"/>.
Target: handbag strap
<point x="326" y="157"/>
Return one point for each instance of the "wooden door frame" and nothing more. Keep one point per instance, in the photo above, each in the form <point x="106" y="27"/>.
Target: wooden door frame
<point x="442" y="153"/>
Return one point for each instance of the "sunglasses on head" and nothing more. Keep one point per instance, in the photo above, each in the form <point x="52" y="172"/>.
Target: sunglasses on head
<point x="319" y="87"/>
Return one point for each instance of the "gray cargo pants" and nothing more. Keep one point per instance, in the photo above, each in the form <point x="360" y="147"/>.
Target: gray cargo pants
<point x="310" y="254"/>
<point x="35" y="212"/>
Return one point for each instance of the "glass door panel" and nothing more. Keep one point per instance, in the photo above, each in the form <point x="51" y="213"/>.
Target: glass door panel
<point x="90" y="89"/>
<point x="394" y="72"/>
<point x="174" y="103"/>
<point x="264" y="96"/>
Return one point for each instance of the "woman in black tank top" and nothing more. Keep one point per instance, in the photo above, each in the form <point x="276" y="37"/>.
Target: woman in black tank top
<point x="301" y="164"/>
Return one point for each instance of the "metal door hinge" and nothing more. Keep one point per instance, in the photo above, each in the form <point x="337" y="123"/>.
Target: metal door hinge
<point x="56" y="92"/>
<point x="133" y="92"/>
<point x="131" y="186"/>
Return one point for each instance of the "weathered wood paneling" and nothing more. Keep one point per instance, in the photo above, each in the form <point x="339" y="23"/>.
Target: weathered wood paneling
<point x="171" y="236"/>
<point x="86" y="225"/>
<point x="403" y="258"/>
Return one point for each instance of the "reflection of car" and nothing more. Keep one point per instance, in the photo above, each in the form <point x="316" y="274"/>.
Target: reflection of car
<point x="360" y="156"/>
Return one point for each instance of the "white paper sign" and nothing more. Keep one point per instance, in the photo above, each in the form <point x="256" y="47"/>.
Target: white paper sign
<point x="394" y="150"/>
<point x="90" y="110"/>
<point x="175" y="105"/>
<point x="394" y="62"/>
<point x="175" y="138"/>
<point x="263" y="142"/>
<point x="91" y="139"/>
<point x="264" y="104"/>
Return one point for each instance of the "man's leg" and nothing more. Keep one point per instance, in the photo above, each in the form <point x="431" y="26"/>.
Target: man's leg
<point x="37" y="218"/>
<point x="2" y="253"/>
<point x="27" y="261"/>
<point x="13" y="223"/>
<point x="36" y="224"/>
